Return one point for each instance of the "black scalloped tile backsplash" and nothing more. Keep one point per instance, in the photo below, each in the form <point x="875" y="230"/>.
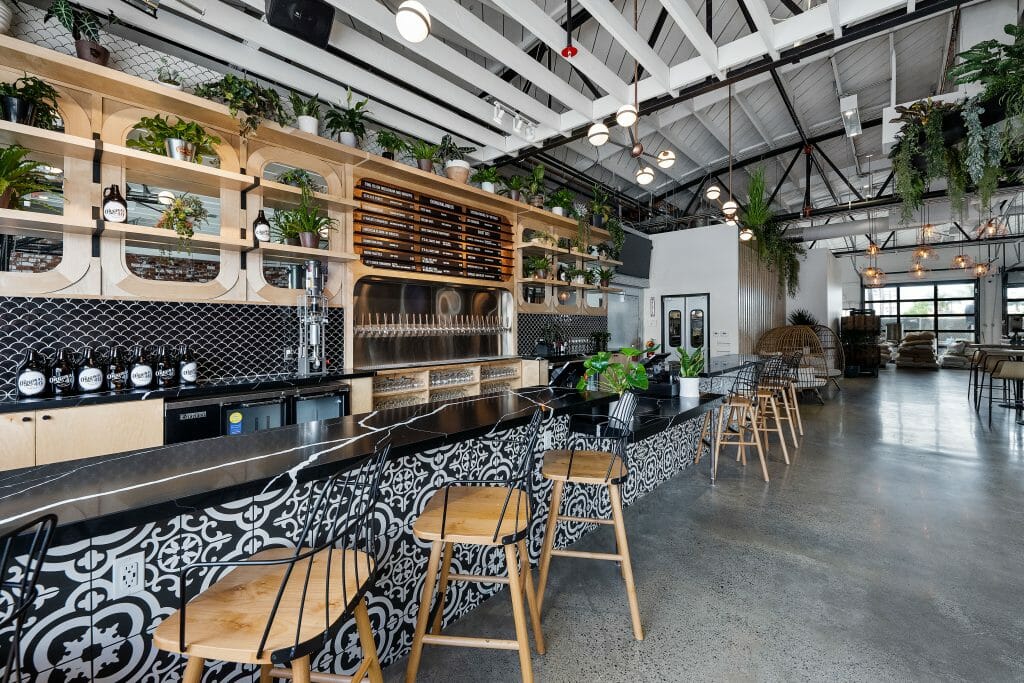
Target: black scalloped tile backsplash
<point x="531" y="328"/>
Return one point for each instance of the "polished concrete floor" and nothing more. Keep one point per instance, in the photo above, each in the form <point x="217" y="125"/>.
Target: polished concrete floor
<point x="891" y="549"/>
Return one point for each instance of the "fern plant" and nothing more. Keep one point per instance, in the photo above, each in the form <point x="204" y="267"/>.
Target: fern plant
<point x="19" y="176"/>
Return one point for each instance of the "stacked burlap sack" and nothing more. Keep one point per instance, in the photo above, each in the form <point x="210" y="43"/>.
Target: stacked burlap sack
<point x="917" y="350"/>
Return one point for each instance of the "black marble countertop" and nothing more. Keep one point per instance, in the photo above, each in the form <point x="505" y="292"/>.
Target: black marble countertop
<point x="107" y="493"/>
<point x="655" y="415"/>
<point x="199" y="390"/>
<point x="723" y="365"/>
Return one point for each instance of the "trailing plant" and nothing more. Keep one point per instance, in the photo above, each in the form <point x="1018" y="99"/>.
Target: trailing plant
<point x="802" y="316"/>
<point x="486" y="174"/>
<point x="618" y="235"/>
<point x="690" y="364"/>
<point x="614" y="377"/>
<point x="449" y="151"/>
<point x="535" y="182"/>
<point x="421" y="150"/>
<point x="758" y="210"/>
<point x="167" y="74"/>
<point x="514" y="183"/>
<point x="19" y="176"/>
<point x="390" y="141"/>
<point x="922" y="123"/>
<point x="158" y="128"/>
<point x="535" y="264"/>
<point x="306" y="217"/>
<point x="242" y="96"/>
<point x="298" y="177"/>
<point x="565" y="199"/>
<point x="581" y="242"/>
<point x="40" y="94"/>
<point x="351" y="119"/>
<point x="81" y="23"/>
<point x="999" y="67"/>
<point x="304" y="106"/>
<point x="773" y="248"/>
<point x="183" y="215"/>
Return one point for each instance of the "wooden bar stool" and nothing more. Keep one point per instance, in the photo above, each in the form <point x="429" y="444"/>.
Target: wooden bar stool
<point x="772" y="404"/>
<point x="1006" y="371"/>
<point x="279" y="606"/>
<point x="606" y="468"/>
<point x="494" y="513"/>
<point x="740" y="409"/>
<point x="23" y="554"/>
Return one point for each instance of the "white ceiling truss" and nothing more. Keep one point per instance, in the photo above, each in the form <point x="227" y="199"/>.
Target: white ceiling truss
<point x="481" y="50"/>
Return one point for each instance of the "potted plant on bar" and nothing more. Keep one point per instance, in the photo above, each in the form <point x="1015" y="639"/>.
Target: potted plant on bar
<point x="618" y="378"/>
<point x="425" y="155"/>
<point x="391" y="143"/>
<point x="535" y="186"/>
<point x="182" y="140"/>
<point x="487" y="177"/>
<point x="562" y="202"/>
<point x="19" y="176"/>
<point x="306" y="111"/>
<point x="249" y="98"/>
<point x="690" y="367"/>
<point x="453" y="156"/>
<point x="168" y="76"/>
<point x="29" y="101"/>
<point x="579" y="276"/>
<point x="84" y="26"/>
<point x="604" y="276"/>
<point x="348" y="124"/>
<point x="183" y="215"/>
<point x="537" y="266"/>
<point x="513" y="186"/>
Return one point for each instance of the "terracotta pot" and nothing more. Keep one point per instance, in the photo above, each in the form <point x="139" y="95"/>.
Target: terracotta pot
<point x="291" y="241"/>
<point x="92" y="52"/>
<point x="425" y="165"/>
<point x="5" y="198"/>
<point x="310" y="240"/>
<point x="457" y="170"/>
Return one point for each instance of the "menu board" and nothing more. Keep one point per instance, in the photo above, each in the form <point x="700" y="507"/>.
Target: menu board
<point x="399" y="229"/>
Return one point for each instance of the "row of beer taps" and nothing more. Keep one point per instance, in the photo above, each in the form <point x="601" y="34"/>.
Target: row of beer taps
<point x="427" y="325"/>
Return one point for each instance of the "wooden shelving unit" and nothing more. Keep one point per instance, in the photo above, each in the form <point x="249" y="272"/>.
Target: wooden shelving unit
<point x="143" y="167"/>
<point x="539" y="281"/>
<point x="36" y="224"/>
<point x="287" y="194"/>
<point x="299" y="252"/>
<point x="47" y="141"/>
<point x="159" y="236"/>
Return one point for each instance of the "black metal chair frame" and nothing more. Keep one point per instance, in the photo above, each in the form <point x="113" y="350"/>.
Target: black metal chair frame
<point x="616" y="430"/>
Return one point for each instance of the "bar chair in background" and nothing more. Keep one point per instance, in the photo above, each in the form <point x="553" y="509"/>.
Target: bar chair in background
<point x="738" y="418"/>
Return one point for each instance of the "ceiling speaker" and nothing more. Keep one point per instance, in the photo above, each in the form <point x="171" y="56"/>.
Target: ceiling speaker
<point x="307" y="19"/>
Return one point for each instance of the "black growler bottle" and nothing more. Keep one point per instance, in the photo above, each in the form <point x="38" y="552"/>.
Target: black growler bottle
<point x="115" y="208"/>
<point x="117" y="370"/>
<point x="261" y="227"/>
<point x="32" y="376"/>
<point x="165" y="368"/>
<point x="140" y="372"/>
<point x="89" y="376"/>
<point x="188" y="369"/>
<point x="62" y="374"/>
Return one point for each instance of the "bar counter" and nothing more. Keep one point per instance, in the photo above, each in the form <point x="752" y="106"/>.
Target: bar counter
<point x="229" y="497"/>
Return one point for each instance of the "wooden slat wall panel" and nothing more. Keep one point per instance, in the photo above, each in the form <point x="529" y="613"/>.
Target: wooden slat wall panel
<point x="761" y="302"/>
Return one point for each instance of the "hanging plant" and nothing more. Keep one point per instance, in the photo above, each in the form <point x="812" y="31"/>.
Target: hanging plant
<point x="920" y="154"/>
<point x="248" y="98"/>
<point x="774" y="249"/>
<point x="183" y="215"/>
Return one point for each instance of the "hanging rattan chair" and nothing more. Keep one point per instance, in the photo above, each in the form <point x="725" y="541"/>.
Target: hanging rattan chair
<point x="834" y="358"/>
<point x="803" y="338"/>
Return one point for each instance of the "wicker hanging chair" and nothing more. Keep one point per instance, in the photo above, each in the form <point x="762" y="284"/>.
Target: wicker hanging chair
<point x="833" y="348"/>
<point x="802" y="338"/>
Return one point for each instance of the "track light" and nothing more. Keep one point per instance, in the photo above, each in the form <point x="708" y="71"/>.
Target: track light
<point x="666" y="158"/>
<point x="645" y="175"/>
<point x="626" y="116"/>
<point x="730" y="208"/>
<point x="713" y="192"/>
<point x="746" y="234"/>
<point x="517" y="122"/>
<point x="413" y="21"/>
<point x="499" y="112"/>
<point x="598" y="134"/>
<point x="531" y="132"/>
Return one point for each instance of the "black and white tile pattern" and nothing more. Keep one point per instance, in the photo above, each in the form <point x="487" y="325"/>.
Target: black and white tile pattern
<point x="230" y="341"/>
<point x="532" y="326"/>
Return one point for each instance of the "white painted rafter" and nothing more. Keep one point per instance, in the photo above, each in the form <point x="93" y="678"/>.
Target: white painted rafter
<point x="693" y="29"/>
<point x="621" y="29"/>
<point x="833" y="15"/>
<point x="765" y="26"/>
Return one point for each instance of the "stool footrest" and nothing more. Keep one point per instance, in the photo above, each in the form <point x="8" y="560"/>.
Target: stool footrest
<point x="466" y="641"/>
<point x="478" y="578"/>
<point x="316" y="677"/>
<point x="586" y="555"/>
<point x="584" y="520"/>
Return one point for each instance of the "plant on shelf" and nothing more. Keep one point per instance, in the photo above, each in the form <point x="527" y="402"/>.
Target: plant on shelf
<point x="183" y="140"/>
<point x="242" y="96"/>
<point x="604" y="276"/>
<point x="168" y="75"/>
<point x="306" y="222"/>
<point x="535" y="186"/>
<point x="183" y="215"/>
<point x="487" y="177"/>
<point x="300" y="178"/>
<point x="19" y="176"/>
<point x="306" y="111"/>
<point x="618" y="235"/>
<point x="599" y="207"/>
<point x="614" y="377"/>
<point x="690" y="367"/>
<point x="453" y="157"/>
<point x="348" y="124"/>
<point x="513" y="186"/>
<point x="580" y="276"/>
<point x="425" y="155"/>
<point x="536" y="266"/>
<point x="84" y="26"/>
<point x="391" y="143"/>
<point x="581" y="242"/>
<point x="802" y="316"/>
<point x="541" y="237"/>
<point x="30" y="101"/>
<point x="562" y="202"/>
<point x="774" y="249"/>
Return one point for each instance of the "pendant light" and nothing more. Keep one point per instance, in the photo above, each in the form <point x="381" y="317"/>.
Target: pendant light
<point x="713" y="192"/>
<point x="413" y="21"/>
<point x="569" y="51"/>
<point x="666" y="158"/>
<point x="645" y="175"/>
<point x="962" y="260"/>
<point x="746" y="234"/>
<point x="729" y="207"/>
<point x="980" y="270"/>
<point x="924" y="252"/>
<point x="627" y="115"/>
<point x="918" y="271"/>
<point x="598" y="134"/>
<point x="872" y="249"/>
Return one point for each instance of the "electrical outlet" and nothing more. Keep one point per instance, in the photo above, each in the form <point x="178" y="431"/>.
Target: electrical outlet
<point x="547" y="440"/>
<point x="129" y="574"/>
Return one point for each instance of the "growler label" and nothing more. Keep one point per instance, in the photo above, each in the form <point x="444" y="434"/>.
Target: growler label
<point x="142" y="376"/>
<point x="31" y="383"/>
<point x="90" y="379"/>
<point x="189" y="372"/>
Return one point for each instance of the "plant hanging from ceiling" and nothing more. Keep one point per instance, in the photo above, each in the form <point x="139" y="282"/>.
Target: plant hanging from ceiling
<point x="774" y="249"/>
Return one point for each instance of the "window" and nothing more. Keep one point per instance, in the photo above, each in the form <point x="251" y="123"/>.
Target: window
<point x="946" y="308"/>
<point x="624" y="319"/>
<point x="1013" y="294"/>
<point x="36" y="253"/>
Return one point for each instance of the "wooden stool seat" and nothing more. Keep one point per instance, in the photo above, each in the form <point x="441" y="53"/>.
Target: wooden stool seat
<point x="584" y="467"/>
<point x="226" y="621"/>
<point x="473" y="515"/>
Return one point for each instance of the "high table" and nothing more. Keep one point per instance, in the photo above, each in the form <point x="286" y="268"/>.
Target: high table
<point x="1015" y="353"/>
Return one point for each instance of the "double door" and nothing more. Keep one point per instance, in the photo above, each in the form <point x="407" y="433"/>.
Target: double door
<point x="684" y="321"/>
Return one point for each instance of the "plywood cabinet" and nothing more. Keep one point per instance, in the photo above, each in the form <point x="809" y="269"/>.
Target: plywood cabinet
<point x="72" y="433"/>
<point x="17" y="440"/>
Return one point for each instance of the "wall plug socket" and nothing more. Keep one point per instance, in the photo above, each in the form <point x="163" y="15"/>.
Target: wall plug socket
<point x="129" y="574"/>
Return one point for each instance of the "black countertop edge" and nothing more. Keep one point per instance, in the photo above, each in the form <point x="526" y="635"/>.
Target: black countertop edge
<point x="183" y="392"/>
<point x="109" y="493"/>
<point x="654" y="415"/>
<point x="431" y="363"/>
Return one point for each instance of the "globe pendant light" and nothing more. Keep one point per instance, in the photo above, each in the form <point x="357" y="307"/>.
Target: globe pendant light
<point x="746" y="234"/>
<point x="980" y="270"/>
<point x="598" y="134"/>
<point x="713" y="192"/>
<point x="872" y="249"/>
<point x="918" y="271"/>
<point x="924" y="252"/>
<point x="645" y="175"/>
<point x="626" y="116"/>
<point x="962" y="260"/>
<point x="413" y="21"/>
<point x="729" y="208"/>
<point x="666" y="158"/>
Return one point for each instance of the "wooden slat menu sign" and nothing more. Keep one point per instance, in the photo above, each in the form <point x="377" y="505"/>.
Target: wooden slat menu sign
<point x="399" y="229"/>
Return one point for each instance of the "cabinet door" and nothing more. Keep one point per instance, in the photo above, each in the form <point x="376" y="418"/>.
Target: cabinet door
<point x="72" y="433"/>
<point x="17" y="440"/>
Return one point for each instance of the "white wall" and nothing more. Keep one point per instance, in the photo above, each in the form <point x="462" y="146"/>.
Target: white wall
<point x="821" y="287"/>
<point x="694" y="262"/>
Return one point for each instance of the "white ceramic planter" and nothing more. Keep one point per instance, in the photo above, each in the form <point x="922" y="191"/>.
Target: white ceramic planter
<point x="689" y="387"/>
<point x="311" y="124"/>
<point x="170" y="86"/>
<point x="578" y="280"/>
<point x="347" y="138"/>
<point x="558" y="211"/>
<point x="457" y="170"/>
<point x="487" y="187"/>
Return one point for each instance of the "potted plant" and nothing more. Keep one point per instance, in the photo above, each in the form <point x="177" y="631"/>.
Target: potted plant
<point x="605" y="275"/>
<point x="453" y="156"/>
<point x="562" y="201"/>
<point x="581" y="242"/>
<point x="513" y="186"/>
<point x="305" y="222"/>
<point x="487" y="177"/>
<point x="285" y="227"/>
<point x="183" y="215"/>
<point x="298" y="177"/>
<point x="537" y="266"/>
<point x="19" y="176"/>
<point x="168" y="76"/>
<point x="242" y="96"/>
<point x="84" y="26"/>
<point x="579" y="276"/>
<point x="541" y="237"/>
<point x="30" y="101"/>
<point x="618" y="235"/>
<point x="348" y="124"/>
<point x="182" y="140"/>
<point x="391" y="143"/>
<point x="535" y="186"/>
<point x="599" y="207"/>
<point x="425" y="155"/>
<point x="600" y="340"/>
<point x="617" y="378"/>
<point x="774" y="250"/>
<point x="690" y="367"/>
<point x="306" y="111"/>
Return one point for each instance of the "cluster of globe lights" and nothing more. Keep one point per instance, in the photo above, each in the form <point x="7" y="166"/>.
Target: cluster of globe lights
<point x="627" y="116"/>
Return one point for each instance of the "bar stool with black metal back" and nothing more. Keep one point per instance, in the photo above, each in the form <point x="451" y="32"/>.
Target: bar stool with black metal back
<point x="771" y="399"/>
<point x="594" y="467"/>
<point x="792" y="375"/>
<point x="740" y="409"/>
<point x="1007" y="371"/>
<point x="987" y="365"/>
<point x="24" y="551"/>
<point x="495" y="513"/>
<point x="281" y="605"/>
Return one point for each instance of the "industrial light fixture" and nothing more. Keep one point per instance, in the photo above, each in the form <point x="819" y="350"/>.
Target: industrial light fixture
<point x="746" y="234"/>
<point x="980" y="270"/>
<point x="873" y="249"/>
<point x="645" y="175"/>
<point x="993" y="227"/>
<point x="499" y="112"/>
<point x="666" y="158"/>
<point x="851" y="115"/>
<point x="531" y="132"/>
<point x="962" y="260"/>
<point x="918" y="271"/>
<point x="627" y="115"/>
<point x="873" y="276"/>
<point x="517" y="122"/>
<point x="413" y="21"/>
<point x="521" y="125"/>
<point x="729" y="208"/>
<point x="713" y="192"/>
<point x="569" y="51"/>
<point x="598" y="134"/>
<point x="876" y="281"/>
<point x="924" y="252"/>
